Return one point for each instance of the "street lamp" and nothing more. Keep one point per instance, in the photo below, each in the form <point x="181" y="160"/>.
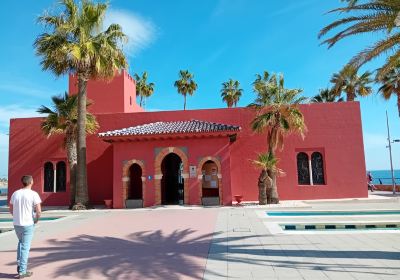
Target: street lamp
<point x="390" y="153"/>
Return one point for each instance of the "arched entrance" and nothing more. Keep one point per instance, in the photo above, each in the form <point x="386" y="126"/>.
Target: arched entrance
<point x="172" y="182"/>
<point x="210" y="183"/>
<point x="210" y="179"/>
<point x="135" y="190"/>
<point x="133" y="183"/>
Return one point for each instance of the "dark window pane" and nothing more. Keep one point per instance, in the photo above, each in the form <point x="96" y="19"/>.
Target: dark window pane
<point x="303" y="174"/>
<point x="61" y="177"/>
<point x="317" y="165"/>
<point x="48" y="177"/>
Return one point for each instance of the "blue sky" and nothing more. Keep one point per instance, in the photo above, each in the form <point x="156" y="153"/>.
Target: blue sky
<point x="214" y="39"/>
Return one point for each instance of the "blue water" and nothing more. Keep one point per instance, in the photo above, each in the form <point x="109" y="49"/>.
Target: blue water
<point x="385" y="176"/>
<point x="3" y="190"/>
<point x="332" y="213"/>
<point x="6" y="220"/>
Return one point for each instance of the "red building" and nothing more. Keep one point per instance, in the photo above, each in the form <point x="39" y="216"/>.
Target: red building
<point x="193" y="157"/>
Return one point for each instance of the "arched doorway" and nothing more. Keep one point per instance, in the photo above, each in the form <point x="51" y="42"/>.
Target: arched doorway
<point x="135" y="190"/>
<point x="210" y="183"/>
<point x="172" y="182"/>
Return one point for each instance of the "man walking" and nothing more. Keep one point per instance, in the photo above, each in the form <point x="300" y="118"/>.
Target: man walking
<point x="26" y="210"/>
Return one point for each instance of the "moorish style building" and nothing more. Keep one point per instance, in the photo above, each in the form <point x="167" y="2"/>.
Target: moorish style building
<point x="141" y="159"/>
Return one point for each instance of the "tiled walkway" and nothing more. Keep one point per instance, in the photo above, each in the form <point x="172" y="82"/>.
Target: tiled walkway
<point x="204" y="243"/>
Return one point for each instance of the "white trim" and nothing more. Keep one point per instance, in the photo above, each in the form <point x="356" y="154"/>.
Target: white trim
<point x="125" y="179"/>
<point x="158" y="176"/>
<point x="185" y="176"/>
<point x="310" y="172"/>
<point x="55" y="179"/>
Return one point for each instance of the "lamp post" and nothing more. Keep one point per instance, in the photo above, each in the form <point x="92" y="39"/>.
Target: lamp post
<point x="390" y="153"/>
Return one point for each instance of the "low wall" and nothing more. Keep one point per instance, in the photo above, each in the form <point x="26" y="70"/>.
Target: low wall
<point x="387" y="188"/>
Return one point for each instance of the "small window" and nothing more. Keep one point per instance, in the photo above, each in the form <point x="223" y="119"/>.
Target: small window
<point x="61" y="177"/>
<point x="303" y="172"/>
<point x="48" y="177"/>
<point x="317" y="166"/>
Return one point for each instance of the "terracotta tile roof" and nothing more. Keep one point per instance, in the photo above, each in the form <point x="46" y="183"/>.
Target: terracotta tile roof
<point x="192" y="126"/>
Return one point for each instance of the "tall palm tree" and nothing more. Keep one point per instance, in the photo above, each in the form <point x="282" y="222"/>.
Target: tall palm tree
<point x="391" y="85"/>
<point x="231" y="92"/>
<point x="143" y="89"/>
<point x="185" y="85"/>
<point x="75" y="44"/>
<point x="278" y="115"/>
<point x="326" y="95"/>
<point x="371" y="17"/>
<point x="349" y="82"/>
<point x="63" y="119"/>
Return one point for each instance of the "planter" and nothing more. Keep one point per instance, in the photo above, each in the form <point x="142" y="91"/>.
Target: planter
<point x="238" y="198"/>
<point x="210" y="201"/>
<point x="134" y="203"/>
<point x="108" y="203"/>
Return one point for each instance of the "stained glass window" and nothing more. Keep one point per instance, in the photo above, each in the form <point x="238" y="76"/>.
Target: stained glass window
<point x="317" y="165"/>
<point x="303" y="173"/>
<point x="61" y="177"/>
<point x="48" y="177"/>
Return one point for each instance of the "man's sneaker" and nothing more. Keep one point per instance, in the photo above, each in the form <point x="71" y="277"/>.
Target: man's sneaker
<point x="26" y="274"/>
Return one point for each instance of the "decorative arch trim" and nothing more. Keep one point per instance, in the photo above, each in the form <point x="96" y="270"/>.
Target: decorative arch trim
<point x="158" y="173"/>
<point x="200" y="176"/>
<point x="126" y="179"/>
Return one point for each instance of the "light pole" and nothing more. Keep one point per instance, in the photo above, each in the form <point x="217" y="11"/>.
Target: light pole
<point x="390" y="153"/>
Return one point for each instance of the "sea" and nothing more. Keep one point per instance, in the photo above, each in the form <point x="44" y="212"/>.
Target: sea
<point x="384" y="177"/>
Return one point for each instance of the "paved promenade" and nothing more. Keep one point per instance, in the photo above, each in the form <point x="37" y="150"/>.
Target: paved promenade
<point x="206" y="243"/>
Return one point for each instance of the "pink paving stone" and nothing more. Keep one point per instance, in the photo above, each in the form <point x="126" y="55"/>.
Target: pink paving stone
<point x="166" y="244"/>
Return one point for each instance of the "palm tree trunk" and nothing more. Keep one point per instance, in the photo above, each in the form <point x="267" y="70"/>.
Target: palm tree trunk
<point x="72" y="161"/>
<point x="184" y="102"/>
<point x="82" y="198"/>
<point x="398" y="102"/>
<point x="262" y="188"/>
<point x="350" y="96"/>
<point x="141" y="99"/>
<point x="273" y="196"/>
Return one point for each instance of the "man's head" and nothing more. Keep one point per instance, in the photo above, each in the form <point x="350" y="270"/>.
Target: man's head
<point x="27" y="181"/>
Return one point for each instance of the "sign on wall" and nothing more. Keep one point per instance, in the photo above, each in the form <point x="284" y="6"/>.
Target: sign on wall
<point x="192" y="171"/>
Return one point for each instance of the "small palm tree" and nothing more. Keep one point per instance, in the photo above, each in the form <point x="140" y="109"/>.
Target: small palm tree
<point x="231" y="92"/>
<point x="185" y="85"/>
<point x="76" y="45"/>
<point x="370" y="17"/>
<point x="390" y="85"/>
<point x="348" y="81"/>
<point x="268" y="164"/>
<point x="278" y="115"/>
<point x="143" y="89"/>
<point x="63" y="119"/>
<point x="326" y="95"/>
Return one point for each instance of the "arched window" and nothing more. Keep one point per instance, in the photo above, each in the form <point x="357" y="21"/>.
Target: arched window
<point x="303" y="172"/>
<point x="61" y="181"/>
<point x="48" y="177"/>
<point x="317" y="165"/>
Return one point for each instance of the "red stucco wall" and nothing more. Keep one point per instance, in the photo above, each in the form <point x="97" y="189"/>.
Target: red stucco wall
<point x="333" y="129"/>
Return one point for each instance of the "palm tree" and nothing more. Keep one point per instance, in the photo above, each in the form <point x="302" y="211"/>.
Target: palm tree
<point x="370" y="17"/>
<point x="350" y="83"/>
<point x="143" y="89"/>
<point x="185" y="85"/>
<point x="326" y="95"/>
<point x="231" y="92"/>
<point x="63" y="119"/>
<point x="391" y="85"/>
<point x="278" y="115"/>
<point x="76" y="45"/>
<point x="267" y="163"/>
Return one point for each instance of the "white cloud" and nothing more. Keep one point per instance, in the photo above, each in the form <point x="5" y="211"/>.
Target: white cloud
<point x="141" y="32"/>
<point x="25" y="89"/>
<point x="15" y="111"/>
